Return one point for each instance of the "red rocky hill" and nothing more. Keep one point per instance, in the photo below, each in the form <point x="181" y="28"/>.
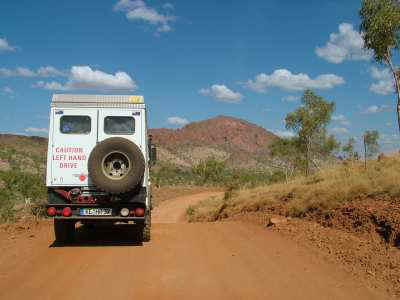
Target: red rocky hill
<point x="237" y="141"/>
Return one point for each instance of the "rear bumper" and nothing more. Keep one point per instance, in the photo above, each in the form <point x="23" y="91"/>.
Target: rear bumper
<point x="75" y="207"/>
<point x="109" y="218"/>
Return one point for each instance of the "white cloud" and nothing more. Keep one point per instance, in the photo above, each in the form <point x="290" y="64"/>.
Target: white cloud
<point x="282" y="133"/>
<point x="347" y="44"/>
<point x="286" y="80"/>
<point x="19" y="71"/>
<point x="291" y="98"/>
<point x="373" y="109"/>
<point x="85" y="78"/>
<point x="177" y="121"/>
<point x="25" y="72"/>
<point x="339" y="130"/>
<point x="222" y="93"/>
<point x="385" y="82"/>
<point x="48" y="71"/>
<point x="53" y="85"/>
<point x="341" y="119"/>
<point x="5" y="46"/>
<point x="168" y="6"/>
<point x="138" y="10"/>
<point x="36" y="130"/>
<point x="8" y="90"/>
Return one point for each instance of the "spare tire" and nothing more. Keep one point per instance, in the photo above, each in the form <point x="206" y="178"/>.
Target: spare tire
<point x="116" y="165"/>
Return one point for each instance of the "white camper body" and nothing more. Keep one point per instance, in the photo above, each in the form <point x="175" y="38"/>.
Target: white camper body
<point x="68" y="152"/>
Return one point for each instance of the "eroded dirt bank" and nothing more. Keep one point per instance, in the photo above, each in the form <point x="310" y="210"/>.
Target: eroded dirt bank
<point x="183" y="261"/>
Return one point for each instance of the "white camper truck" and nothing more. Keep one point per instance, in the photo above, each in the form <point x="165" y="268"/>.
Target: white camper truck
<point x="99" y="155"/>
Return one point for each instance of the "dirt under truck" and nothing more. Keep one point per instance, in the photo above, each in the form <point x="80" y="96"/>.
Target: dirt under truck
<point x="99" y="156"/>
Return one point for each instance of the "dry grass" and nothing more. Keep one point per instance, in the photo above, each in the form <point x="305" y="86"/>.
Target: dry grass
<point x="322" y="192"/>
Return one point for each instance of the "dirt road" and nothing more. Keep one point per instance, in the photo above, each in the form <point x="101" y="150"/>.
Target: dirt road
<point x="183" y="261"/>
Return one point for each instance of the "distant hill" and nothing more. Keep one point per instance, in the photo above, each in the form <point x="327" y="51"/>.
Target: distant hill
<point x="238" y="142"/>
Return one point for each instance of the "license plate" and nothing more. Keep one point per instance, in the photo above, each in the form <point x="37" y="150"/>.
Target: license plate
<point x="96" y="212"/>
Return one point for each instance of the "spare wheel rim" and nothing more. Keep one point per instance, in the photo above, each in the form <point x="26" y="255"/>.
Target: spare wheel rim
<point x="116" y="165"/>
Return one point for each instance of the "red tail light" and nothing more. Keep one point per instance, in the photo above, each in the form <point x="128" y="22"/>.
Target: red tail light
<point x="51" y="211"/>
<point x="139" y="212"/>
<point x="67" y="212"/>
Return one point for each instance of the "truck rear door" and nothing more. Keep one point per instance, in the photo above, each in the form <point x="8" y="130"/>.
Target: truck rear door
<point x="125" y="123"/>
<point x="74" y="135"/>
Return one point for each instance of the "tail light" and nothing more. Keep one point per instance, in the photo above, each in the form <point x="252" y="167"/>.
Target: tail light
<point x="139" y="212"/>
<point x="51" y="211"/>
<point x="67" y="212"/>
<point x="124" y="212"/>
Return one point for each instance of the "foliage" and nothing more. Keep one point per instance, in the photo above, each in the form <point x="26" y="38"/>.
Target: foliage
<point x="309" y="122"/>
<point x="318" y="194"/>
<point x="210" y="171"/>
<point x="213" y="172"/>
<point x="371" y="146"/>
<point x="286" y="155"/>
<point x="380" y="26"/>
<point x="348" y="149"/>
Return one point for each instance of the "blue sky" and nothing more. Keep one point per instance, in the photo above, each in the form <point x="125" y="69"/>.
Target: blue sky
<point x="193" y="60"/>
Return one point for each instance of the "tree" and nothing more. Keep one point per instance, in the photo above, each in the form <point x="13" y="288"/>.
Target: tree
<point x="348" y="149"/>
<point x="371" y="146"/>
<point x="380" y="27"/>
<point x="286" y="155"/>
<point x="309" y="122"/>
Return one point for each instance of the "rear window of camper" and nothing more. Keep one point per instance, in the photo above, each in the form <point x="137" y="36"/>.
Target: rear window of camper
<point x="75" y="124"/>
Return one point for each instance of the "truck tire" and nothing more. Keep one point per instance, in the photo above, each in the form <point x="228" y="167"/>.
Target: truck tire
<point x="146" y="232"/>
<point x="64" y="231"/>
<point x="116" y="165"/>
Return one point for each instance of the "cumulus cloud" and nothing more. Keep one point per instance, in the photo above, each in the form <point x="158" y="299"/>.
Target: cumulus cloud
<point x="222" y="93"/>
<point x="138" y="10"/>
<point x="290" y="98"/>
<point x="168" y="6"/>
<point x="339" y="130"/>
<point x="385" y="82"/>
<point x="341" y="119"/>
<point x="286" y="80"/>
<point x="178" y="121"/>
<point x="282" y="133"/>
<point x="85" y="78"/>
<point x="373" y="109"/>
<point x="48" y="71"/>
<point x="53" y="85"/>
<point x="347" y="44"/>
<point x="36" y="130"/>
<point x="5" y="46"/>
<point x="8" y="90"/>
<point x="19" y="71"/>
<point x="389" y="139"/>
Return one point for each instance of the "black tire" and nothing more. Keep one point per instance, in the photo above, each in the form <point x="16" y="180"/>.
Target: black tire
<point x="124" y="148"/>
<point x="146" y="230"/>
<point x="64" y="231"/>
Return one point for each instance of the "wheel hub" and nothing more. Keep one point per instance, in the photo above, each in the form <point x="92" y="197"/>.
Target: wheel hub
<point x="116" y="165"/>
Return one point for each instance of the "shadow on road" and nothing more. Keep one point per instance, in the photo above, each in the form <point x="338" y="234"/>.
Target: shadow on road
<point x="104" y="235"/>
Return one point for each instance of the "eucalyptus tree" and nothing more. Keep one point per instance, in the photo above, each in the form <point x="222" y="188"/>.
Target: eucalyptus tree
<point x="380" y="28"/>
<point x="310" y="122"/>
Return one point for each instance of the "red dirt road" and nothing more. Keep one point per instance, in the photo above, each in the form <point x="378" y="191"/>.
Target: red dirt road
<point x="183" y="261"/>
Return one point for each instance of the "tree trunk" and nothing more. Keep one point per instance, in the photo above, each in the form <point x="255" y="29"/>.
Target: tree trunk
<point x="365" y="154"/>
<point x="308" y="157"/>
<point x="396" y="82"/>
